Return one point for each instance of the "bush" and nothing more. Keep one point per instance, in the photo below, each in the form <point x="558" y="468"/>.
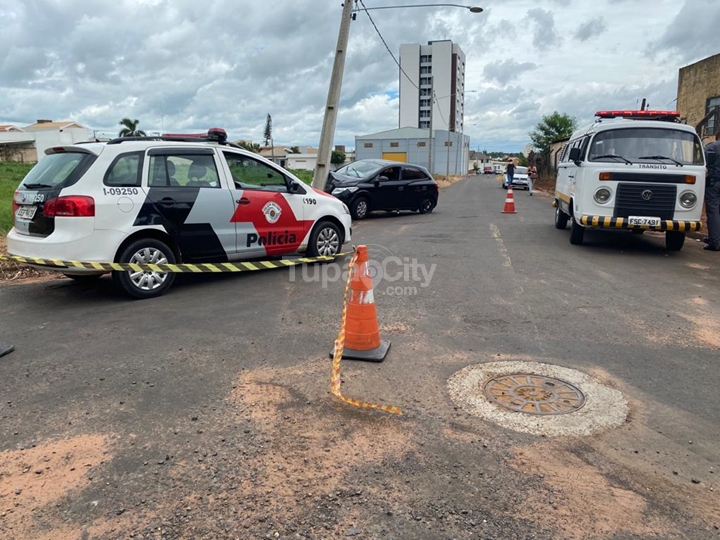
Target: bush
<point x="11" y="174"/>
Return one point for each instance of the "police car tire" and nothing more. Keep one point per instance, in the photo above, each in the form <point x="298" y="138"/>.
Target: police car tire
<point x="313" y="250"/>
<point x="561" y="219"/>
<point x="577" y="233"/>
<point x="123" y="280"/>
<point x="354" y="208"/>
<point x="426" y="206"/>
<point x="674" y="240"/>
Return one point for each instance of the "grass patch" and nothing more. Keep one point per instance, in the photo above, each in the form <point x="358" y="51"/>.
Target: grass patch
<point x="10" y="176"/>
<point x="305" y="176"/>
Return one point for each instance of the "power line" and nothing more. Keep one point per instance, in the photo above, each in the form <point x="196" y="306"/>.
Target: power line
<point x="386" y="45"/>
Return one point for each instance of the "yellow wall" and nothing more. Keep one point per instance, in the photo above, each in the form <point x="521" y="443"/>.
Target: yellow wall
<point x="395" y="156"/>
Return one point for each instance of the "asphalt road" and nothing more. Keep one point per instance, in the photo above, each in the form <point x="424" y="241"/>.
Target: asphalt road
<point x="206" y="413"/>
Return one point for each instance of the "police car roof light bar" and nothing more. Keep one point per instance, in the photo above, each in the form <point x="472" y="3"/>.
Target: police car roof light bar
<point x="660" y="115"/>
<point x="216" y="135"/>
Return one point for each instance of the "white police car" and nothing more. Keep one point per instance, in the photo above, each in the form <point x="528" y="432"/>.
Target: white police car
<point x="168" y="200"/>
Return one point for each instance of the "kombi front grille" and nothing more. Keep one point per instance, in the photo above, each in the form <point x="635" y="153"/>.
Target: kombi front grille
<point x="649" y="200"/>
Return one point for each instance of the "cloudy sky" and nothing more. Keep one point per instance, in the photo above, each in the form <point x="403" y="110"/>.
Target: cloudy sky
<point x="184" y="65"/>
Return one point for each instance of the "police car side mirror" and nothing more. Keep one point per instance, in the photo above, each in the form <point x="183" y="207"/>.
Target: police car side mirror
<point x="295" y="188"/>
<point x="575" y="155"/>
<point x="711" y="158"/>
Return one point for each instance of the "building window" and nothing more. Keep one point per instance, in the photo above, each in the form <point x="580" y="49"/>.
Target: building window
<point x="425" y="70"/>
<point x="368" y="145"/>
<point x="424" y="125"/>
<point x="424" y="102"/>
<point x="448" y="143"/>
<point x="424" y="80"/>
<point x="394" y="145"/>
<point x="424" y="114"/>
<point x="425" y="92"/>
<point x="711" y="126"/>
<point x="421" y="144"/>
<point x="425" y="58"/>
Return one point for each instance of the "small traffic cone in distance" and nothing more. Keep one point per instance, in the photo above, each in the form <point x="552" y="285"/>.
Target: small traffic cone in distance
<point x="509" y="207"/>
<point x="362" y="334"/>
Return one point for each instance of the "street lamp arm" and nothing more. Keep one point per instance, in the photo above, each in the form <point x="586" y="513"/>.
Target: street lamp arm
<point x="472" y="9"/>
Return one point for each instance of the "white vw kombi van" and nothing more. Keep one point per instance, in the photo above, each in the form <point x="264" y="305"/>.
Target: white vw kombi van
<point x="635" y="170"/>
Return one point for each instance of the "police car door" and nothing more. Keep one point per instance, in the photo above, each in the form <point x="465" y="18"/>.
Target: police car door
<point x="268" y="218"/>
<point x="186" y="197"/>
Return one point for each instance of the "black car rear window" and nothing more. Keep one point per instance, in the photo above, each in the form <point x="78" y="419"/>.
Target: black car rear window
<point x="58" y="170"/>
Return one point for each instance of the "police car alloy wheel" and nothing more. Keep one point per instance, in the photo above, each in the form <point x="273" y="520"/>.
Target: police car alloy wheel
<point x="145" y="284"/>
<point x="325" y="240"/>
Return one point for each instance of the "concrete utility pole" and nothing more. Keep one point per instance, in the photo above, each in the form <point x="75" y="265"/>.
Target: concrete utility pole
<point x="430" y="135"/>
<point x="327" y="135"/>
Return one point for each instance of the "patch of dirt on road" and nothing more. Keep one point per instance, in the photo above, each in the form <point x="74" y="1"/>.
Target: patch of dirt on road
<point x="585" y="502"/>
<point x="447" y="181"/>
<point x="706" y="329"/>
<point x="12" y="272"/>
<point x="35" y="478"/>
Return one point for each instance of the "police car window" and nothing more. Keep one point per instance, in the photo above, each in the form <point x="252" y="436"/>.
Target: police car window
<point x="186" y="170"/>
<point x="125" y="170"/>
<point x="248" y="173"/>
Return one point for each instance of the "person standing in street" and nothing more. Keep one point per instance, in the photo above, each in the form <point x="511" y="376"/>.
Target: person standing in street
<point x="712" y="195"/>
<point x="532" y="177"/>
<point x="510" y="172"/>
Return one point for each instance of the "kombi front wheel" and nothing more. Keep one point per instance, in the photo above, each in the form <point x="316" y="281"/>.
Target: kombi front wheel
<point x="145" y="284"/>
<point x="674" y="240"/>
<point x="577" y="233"/>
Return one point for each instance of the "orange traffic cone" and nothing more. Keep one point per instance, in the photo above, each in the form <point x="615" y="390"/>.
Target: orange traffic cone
<point x="509" y="202"/>
<point x="362" y="335"/>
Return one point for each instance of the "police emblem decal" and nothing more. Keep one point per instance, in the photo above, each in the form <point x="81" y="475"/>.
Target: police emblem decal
<point x="272" y="212"/>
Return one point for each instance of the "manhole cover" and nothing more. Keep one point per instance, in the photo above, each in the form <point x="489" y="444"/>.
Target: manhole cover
<point x="534" y="394"/>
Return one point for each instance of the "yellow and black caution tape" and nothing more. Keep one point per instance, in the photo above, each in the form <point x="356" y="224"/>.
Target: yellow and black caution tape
<point x="622" y="223"/>
<point x="214" y="268"/>
<point x="335" y="380"/>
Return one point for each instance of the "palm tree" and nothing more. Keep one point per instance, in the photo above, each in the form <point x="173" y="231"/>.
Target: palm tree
<point x="247" y="145"/>
<point x="130" y="128"/>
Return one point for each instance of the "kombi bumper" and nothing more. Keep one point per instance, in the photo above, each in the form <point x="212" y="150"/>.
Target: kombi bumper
<point x="606" y="222"/>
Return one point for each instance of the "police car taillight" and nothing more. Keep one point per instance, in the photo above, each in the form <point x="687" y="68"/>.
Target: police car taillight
<point x="217" y="134"/>
<point x="637" y="114"/>
<point x="70" y="206"/>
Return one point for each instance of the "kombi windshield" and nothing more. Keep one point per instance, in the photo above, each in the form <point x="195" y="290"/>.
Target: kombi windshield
<point x="647" y="145"/>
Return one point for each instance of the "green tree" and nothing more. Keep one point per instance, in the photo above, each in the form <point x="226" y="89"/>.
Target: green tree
<point x="294" y="149"/>
<point x="130" y="128"/>
<point x="551" y="128"/>
<point x="268" y="130"/>
<point x="250" y="146"/>
<point x="338" y="157"/>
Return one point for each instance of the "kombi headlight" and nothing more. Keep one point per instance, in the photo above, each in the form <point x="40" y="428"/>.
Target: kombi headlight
<point x="688" y="199"/>
<point x="602" y="195"/>
<point x="341" y="190"/>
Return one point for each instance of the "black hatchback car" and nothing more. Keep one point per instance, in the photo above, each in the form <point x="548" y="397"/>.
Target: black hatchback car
<point x="377" y="184"/>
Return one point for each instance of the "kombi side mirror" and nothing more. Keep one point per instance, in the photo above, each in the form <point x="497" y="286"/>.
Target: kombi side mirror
<point x="711" y="158"/>
<point x="575" y="155"/>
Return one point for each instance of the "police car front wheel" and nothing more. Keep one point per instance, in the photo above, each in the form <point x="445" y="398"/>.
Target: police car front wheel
<point x="325" y="240"/>
<point x="145" y="284"/>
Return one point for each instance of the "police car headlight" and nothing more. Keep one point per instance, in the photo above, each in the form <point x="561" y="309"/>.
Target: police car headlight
<point x="602" y="195"/>
<point x="340" y="191"/>
<point x="688" y="199"/>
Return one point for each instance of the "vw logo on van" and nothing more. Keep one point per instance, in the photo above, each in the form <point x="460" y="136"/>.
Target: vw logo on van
<point x="647" y="195"/>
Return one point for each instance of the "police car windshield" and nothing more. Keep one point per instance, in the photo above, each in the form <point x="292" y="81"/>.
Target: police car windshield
<point x="54" y="170"/>
<point x="646" y="145"/>
<point x="360" y="169"/>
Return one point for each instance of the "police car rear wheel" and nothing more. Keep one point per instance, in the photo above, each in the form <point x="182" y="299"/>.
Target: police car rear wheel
<point x="145" y="284"/>
<point x="325" y="240"/>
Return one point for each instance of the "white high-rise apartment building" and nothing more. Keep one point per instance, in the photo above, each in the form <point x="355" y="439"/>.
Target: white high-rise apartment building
<point x="438" y="66"/>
